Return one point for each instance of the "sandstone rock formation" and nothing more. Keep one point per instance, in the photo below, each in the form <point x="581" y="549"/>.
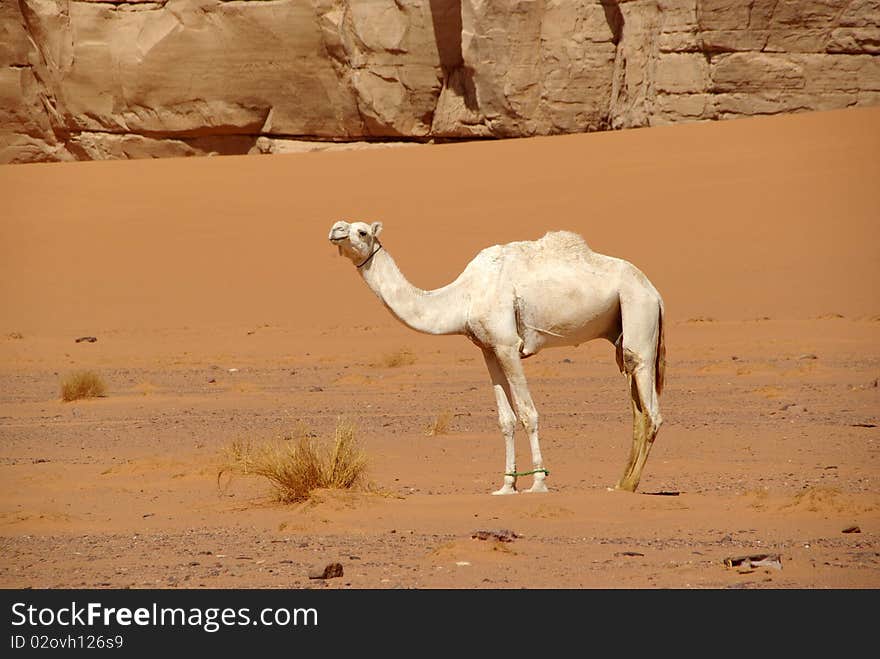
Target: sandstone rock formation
<point x="92" y="79"/>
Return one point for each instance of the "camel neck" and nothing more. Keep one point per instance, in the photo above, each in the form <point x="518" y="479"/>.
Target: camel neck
<point x="440" y="311"/>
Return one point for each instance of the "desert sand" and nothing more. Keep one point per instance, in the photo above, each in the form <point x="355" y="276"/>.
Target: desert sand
<point x="221" y="312"/>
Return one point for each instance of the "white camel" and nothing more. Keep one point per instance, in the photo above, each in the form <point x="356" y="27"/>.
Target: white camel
<point x="513" y="300"/>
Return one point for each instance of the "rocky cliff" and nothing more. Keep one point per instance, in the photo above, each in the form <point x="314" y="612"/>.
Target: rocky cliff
<point x="91" y="79"/>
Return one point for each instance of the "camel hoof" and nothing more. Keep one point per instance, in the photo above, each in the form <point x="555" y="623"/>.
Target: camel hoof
<point x="538" y="487"/>
<point x="507" y="489"/>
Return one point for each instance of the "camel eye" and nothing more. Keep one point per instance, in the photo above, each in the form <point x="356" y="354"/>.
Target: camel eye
<point x="363" y="233"/>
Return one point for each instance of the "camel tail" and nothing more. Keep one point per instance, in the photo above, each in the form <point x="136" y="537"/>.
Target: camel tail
<point x="660" y="363"/>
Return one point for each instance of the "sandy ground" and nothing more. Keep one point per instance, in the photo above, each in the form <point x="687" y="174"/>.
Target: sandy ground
<point x="761" y="235"/>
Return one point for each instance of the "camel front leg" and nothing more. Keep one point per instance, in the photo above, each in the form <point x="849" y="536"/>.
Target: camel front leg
<point x="511" y="365"/>
<point x="506" y="421"/>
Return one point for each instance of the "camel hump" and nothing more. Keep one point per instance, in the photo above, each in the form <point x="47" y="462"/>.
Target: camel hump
<point x="553" y="244"/>
<point x="562" y="241"/>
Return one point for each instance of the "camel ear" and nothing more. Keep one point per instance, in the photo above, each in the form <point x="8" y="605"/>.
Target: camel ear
<point x="376" y="228"/>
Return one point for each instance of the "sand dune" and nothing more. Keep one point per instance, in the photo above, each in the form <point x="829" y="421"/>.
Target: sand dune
<point x="762" y="217"/>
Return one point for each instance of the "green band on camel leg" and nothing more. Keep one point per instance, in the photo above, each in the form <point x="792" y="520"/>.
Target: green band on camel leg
<point x="546" y="472"/>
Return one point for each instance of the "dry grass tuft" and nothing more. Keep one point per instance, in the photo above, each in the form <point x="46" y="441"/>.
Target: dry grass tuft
<point x="402" y="357"/>
<point x="439" y="425"/>
<point x="83" y="384"/>
<point x="297" y="467"/>
<point x="816" y="499"/>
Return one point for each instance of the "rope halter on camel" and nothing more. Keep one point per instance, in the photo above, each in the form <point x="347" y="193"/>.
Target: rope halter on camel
<point x="370" y="257"/>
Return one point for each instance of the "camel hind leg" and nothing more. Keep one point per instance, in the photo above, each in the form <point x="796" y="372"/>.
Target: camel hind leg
<point x="637" y="356"/>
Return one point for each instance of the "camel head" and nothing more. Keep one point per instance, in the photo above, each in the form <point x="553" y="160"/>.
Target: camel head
<point x="357" y="240"/>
